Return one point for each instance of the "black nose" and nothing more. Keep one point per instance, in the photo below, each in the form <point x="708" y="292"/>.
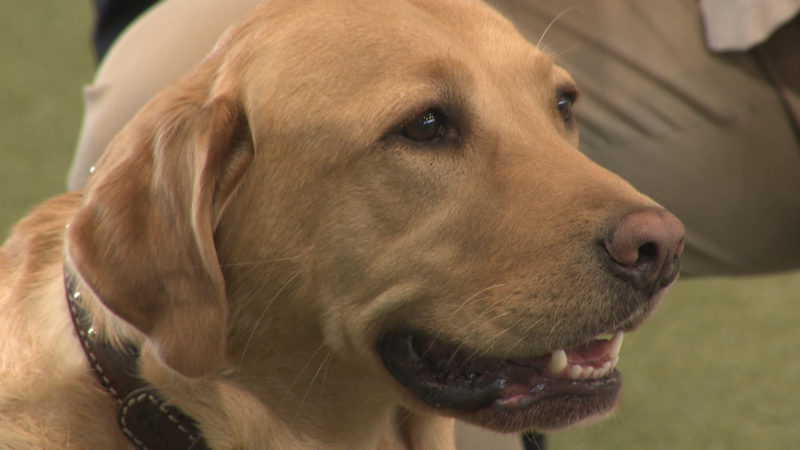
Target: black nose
<point x="645" y="248"/>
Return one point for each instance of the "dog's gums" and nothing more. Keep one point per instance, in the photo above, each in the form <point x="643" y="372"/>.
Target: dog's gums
<point x="447" y="377"/>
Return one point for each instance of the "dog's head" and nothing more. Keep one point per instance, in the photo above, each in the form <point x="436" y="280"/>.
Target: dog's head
<point x="417" y="164"/>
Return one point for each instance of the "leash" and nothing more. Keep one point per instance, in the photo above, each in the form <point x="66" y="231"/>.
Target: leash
<point x="532" y="440"/>
<point x="144" y="416"/>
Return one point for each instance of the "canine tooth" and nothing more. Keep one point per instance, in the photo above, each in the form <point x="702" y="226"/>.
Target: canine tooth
<point x="616" y="344"/>
<point x="558" y="362"/>
<point x="574" y="372"/>
<point x="614" y="362"/>
<point x="605" y="337"/>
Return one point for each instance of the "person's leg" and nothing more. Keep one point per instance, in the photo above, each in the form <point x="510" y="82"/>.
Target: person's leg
<point x="155" y="50"/>
<point x="113" y="16"/>
<point x="706" y="135"/>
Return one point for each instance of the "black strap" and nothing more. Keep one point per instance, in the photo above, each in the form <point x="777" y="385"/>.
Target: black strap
<point x="532" y="440"/>
<point x="144" y="416"/>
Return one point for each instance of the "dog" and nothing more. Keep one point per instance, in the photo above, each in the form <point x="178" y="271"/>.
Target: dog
<point x="353" y="222"/>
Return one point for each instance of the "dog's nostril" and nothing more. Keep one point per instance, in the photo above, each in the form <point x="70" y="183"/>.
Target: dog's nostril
<point x="645" y="246"/>
<point x="647" y="252"/>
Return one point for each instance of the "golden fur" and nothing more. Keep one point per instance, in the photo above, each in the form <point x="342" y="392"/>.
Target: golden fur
<point x="260" y="223"/>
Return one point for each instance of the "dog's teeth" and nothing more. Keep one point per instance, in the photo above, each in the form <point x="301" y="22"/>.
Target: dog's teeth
<point x="558" y="362"/>
<point x="605" y="337"/>
<point x="616" y="344"/>
<point x="575" y="372"/>
<point x="560" y="365"/>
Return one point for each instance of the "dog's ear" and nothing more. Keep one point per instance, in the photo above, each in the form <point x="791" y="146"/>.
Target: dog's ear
<point x="143" y="238"/>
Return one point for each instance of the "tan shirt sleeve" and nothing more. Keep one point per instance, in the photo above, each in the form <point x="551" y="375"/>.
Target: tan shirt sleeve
<point x="732" y="25"/>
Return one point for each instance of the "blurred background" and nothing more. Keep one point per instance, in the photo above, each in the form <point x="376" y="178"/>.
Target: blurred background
<point x="718" y="367"/>
<point x="45" y="59"/>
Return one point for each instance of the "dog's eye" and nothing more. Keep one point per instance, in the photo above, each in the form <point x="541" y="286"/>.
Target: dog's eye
<point x="565" y="102"/>
<point x="426" y="127"/>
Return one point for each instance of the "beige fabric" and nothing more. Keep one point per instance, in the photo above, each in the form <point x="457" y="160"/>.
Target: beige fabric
<point x="155" y="50"/>
<point x="780" y="56"/>
<point x="735" y="25"/>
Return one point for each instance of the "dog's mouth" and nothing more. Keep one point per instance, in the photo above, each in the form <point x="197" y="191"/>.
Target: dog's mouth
<point x="545" y="392"/>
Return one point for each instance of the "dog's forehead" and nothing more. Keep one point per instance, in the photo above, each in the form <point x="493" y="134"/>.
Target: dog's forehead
<point x="382" y="34"/>
<point x="355" y="50"/>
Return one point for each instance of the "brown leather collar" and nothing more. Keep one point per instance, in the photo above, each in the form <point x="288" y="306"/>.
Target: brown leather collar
<point x="144" y="416"/>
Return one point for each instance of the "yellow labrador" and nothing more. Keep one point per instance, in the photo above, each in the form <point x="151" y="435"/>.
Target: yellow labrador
<point x="354" y="221"/>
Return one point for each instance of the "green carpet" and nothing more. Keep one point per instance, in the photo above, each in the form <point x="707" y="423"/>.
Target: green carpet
<point x="717" y="368"/>
<point x="45" y="59"/>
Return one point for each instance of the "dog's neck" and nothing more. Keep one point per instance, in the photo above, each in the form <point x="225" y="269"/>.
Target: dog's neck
<point x="282" y="372"/>
<point x="285" y="362"/>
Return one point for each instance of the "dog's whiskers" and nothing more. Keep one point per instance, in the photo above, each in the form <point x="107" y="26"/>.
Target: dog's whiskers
<point x="522" y="337"/>
<point x="266" y="261"/>
<point x="302" y="369"/>
<point x="555" y="54"/>
<point x="455" y="311"/>
<point x="552" y="22"/>
<point x="406" y="416"/>
<point x="260" y="318"/>
<point x="485" y="348"/>
<point x="327" y="367"/>
<point x="461" y="344"/>
<point x="324" y="362"/>
<point x="492" y="341"/>
<point x="474" y="330"/>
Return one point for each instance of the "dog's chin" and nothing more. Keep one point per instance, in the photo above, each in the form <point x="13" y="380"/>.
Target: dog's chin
<point x="551" y="391"/>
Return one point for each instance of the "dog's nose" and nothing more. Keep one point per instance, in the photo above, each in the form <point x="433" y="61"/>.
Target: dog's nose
<point x="645" y="248"/>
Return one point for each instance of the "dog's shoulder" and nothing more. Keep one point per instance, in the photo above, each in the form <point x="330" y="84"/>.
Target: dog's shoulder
<point x="47" y="396"/>
<point x="37" y="239"/>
